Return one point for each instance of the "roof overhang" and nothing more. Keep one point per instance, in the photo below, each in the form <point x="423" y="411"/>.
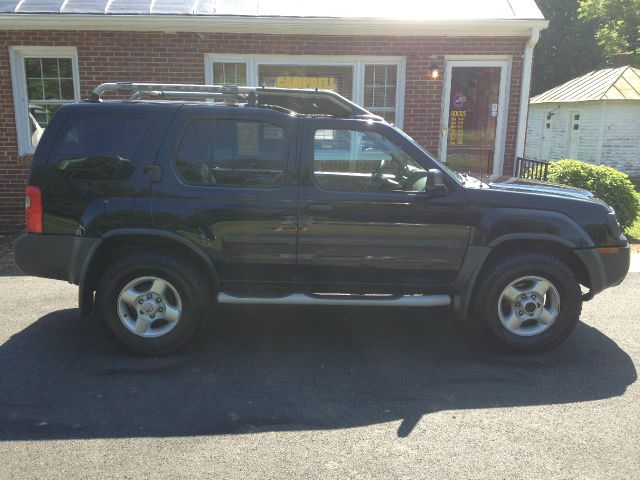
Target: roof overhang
<point x="273" y="25"/>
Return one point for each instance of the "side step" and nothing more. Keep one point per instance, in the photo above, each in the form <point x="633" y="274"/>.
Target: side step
<point x="366" y="300"/>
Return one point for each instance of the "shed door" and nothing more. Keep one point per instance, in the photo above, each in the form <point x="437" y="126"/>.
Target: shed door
<point x="573" y="137"/>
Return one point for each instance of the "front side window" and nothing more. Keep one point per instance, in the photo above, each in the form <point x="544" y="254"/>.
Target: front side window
<point x="44" y="79"/>
<point x="234" y="153"/>
<point x="359" y="161"/>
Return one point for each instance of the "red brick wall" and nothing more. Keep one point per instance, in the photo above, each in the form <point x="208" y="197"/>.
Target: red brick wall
<point x="165" y="57"/>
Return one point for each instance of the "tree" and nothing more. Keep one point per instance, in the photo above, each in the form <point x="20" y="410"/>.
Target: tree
<point x="567" y="49"/>
<point x="618" y="25"/>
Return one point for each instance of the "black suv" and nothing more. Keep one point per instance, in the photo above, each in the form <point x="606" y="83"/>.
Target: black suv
<point x="182" y="197"/>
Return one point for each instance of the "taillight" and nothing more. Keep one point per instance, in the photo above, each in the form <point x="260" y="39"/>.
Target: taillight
<point x="33" y="207"/>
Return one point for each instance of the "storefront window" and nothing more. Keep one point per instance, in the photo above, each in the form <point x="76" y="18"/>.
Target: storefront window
<point x="46" y="78"/>
<point x="380" y="82"/>
<point x="338" y="78"/>
<point x="229" y="73"/>
<point x="376" y="83"/>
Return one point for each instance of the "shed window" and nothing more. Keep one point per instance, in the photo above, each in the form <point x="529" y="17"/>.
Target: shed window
<point x="44" y="79"/>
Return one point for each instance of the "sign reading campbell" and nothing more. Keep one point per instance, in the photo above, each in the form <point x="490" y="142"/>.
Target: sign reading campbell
<point x="323" y="83"/>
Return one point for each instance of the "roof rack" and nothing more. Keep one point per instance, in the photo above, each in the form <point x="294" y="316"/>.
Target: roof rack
<point x="301" y="101"/>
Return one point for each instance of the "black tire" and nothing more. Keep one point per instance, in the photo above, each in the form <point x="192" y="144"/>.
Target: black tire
<point x="505" y="272"/>
<point x="185" y="279"/>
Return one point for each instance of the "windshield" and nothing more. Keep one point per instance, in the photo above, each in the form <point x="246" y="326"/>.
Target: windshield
<point x="453" y="173"/>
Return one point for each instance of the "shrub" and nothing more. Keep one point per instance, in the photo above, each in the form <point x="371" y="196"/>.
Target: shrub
<point x="606" y="183"/>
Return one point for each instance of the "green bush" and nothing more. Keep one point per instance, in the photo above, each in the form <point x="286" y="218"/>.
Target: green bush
<point x="606" y="183"/>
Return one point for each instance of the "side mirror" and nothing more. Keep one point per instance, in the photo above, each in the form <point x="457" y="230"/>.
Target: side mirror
<point x="435" y="183"/>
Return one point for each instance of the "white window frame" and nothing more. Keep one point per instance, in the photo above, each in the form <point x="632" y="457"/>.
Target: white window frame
<point x="17" y="56"/>
<point x="357" y="62"/>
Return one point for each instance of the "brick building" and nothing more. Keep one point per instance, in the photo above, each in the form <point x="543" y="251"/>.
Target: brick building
<point x="454" y="75"/>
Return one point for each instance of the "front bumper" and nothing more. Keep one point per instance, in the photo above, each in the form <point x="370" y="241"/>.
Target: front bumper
<point x="61" y="257"/>
<point x="607" y="266"/>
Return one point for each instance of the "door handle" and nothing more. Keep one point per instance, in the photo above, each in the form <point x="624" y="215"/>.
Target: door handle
<point x="320" y="208"/>
<point x="153" y="172"/>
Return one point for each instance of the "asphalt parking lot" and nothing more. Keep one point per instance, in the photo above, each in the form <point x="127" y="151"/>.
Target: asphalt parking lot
<point x="314" y="393"/>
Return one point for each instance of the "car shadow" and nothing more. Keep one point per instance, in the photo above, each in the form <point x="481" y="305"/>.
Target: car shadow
<point x="284" y="368"/>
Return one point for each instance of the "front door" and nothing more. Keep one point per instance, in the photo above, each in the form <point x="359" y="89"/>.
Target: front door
<point x="365" y="221"/>
<point x="474" y="115"/>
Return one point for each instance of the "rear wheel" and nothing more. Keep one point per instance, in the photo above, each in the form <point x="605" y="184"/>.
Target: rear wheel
<point x="152" y="302"/>
<point x="528" y="303"/>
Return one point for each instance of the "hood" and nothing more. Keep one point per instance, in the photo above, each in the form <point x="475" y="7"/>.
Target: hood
<point x="535" y="186"/>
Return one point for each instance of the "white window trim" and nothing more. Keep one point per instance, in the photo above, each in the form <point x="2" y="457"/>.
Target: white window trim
<point x="357" y="62"/>
<point x="19" y="85"/>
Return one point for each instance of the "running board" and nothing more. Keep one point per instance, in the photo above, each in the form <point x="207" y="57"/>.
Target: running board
<point x="367" y="300"/>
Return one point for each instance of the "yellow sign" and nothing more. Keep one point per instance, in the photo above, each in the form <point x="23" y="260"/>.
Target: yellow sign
<point x="323" y="83"/>
<point x="456" y="127"/>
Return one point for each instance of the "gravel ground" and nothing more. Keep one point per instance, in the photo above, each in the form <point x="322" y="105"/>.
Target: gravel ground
<point x="7" y="263"/>
<point x="314" y="393"/>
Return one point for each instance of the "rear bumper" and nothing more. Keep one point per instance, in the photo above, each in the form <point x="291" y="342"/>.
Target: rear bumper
<point x="606" y="267"/>
<point x="61" y="257"/>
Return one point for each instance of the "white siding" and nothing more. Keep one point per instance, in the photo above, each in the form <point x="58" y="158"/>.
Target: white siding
<point x="621" y="136"/>
<point x="533" y="140"/>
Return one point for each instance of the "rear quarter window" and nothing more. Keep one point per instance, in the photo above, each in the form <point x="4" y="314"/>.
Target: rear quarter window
<point x="99" y="147"/>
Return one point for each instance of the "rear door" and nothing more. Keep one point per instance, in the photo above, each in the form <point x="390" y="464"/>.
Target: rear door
<point x="227" y="186"/>
<point x="365" y="221"/>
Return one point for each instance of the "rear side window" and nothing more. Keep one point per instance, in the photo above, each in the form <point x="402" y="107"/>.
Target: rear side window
<point x="99" y="147"/>
<point x="234" y="153"/>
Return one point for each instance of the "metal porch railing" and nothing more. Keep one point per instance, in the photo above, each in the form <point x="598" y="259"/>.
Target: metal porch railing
<point x="531" y="169"/>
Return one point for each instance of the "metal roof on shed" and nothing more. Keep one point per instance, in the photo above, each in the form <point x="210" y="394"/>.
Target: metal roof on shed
<point x="456" y="10"/>
<point x="621" y="83"/>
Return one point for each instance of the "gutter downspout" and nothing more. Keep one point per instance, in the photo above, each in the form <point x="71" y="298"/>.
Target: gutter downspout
<point x="525" y="88"/>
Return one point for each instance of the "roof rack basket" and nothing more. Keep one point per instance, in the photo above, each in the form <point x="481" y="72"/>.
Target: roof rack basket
<point x="301" y="101"/>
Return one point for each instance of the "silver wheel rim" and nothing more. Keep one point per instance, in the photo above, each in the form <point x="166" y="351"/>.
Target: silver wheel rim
<point x="529" y="306"/>
<point x="149" y="307"/>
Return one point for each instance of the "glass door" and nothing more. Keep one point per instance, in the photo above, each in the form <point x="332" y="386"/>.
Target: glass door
<point x="474" y="113"/>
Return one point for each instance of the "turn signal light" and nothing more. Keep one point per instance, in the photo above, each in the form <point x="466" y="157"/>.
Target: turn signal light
<point x="33" y="207"/>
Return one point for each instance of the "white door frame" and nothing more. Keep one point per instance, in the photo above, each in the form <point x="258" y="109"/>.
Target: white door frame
<point x="503" y="103"/>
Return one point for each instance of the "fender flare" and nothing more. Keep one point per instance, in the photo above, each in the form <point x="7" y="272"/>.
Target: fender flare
<point x="464" y="284"/>
<point x="85" y="291"/>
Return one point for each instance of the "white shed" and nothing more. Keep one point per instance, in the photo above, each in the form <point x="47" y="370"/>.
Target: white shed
<point x="594" y="118"/>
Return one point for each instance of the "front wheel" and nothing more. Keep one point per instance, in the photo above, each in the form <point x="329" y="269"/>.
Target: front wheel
<point x="152" y="302"/>
<point x="528" y="303"/>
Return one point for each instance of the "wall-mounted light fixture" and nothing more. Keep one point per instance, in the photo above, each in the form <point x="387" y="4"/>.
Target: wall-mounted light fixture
<point x="433" y="69"/>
